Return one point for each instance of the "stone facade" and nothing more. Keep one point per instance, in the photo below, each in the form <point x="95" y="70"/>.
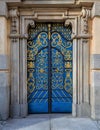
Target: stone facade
<point x="15" y="17"/>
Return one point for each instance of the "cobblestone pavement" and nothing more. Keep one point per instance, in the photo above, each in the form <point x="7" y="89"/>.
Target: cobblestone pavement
<point x="50" y="122"/>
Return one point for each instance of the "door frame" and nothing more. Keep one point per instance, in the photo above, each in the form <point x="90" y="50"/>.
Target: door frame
<point x="80" y="36"/>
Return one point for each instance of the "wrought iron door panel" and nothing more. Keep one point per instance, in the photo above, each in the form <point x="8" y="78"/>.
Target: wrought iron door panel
<point x="38" y="69"/>
<point x="61" y="45"/>
<point x="50" y="68"/>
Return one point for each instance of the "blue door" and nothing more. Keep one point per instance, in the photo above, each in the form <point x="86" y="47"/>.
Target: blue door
<point x="49" y="68"/>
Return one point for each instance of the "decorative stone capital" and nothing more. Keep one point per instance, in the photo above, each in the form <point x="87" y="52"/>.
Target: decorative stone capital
<point x="13" y="13"/>
<point x="85" y="15"/>
<point x="86" y="12"/>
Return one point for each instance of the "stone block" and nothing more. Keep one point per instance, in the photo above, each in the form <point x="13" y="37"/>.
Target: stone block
<point x="95" y="61"/>
<point x="95" y="94"/>
<point x="83" y="110"/>
<point x="15" y="110"/>
<point x="95" y="102"/>
<point x="18" y="110"/>
<point x="3" y="35"/>
<point x="4" y="79"/>
<point x="74" y="109"/>
<point x="3" y="62"/>
<point x="4" y="96"/>
<point x="96" y="9"/>
<point x="3" y="9"/>
<point x="24" y="109"/>
<point x="95" y="46"/>
<point x="4" y="103"/>
<point x="95" y="78"/>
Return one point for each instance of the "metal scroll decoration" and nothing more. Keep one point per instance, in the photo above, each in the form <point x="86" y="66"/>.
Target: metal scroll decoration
<point x="49" y="45"/>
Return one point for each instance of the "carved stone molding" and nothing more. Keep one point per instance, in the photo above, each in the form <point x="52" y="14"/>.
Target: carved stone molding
<point x="68" y="22"/>
<point x="71" y="21"/>
<point x="20" y="36"/>
<point x="81" y="36"/>
<point x="43" y="15"/>
<point x="85" y="15"/>
<point x="13" y="14"/>
<point x="32" y="24"/>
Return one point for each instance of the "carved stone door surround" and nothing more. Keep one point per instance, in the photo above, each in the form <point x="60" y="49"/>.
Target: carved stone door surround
<point x="21" y="19"/>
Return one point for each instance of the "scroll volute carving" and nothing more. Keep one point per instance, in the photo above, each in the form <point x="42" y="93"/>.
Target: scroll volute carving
<point x="32" y="23"/>
<point x="67" y="23"/>
<point x="28" y="23"/>
<point x="70" y="22"/>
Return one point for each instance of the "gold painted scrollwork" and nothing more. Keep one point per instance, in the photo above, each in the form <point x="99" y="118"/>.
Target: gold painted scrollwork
<point x="68" y="55"/>
<point x="68" y="64"/>
<point x="68" y="82"/>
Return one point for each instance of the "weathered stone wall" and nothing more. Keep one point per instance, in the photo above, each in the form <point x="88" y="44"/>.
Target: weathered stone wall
<point x="4" y="70"/>
<point x="95" y="62"/>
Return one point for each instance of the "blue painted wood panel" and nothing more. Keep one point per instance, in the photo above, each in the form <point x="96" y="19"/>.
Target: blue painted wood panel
<point x="49" y="71"/>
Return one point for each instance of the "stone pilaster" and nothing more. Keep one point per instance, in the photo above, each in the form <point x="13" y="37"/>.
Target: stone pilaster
<point x="25" y="22"/>
<point x="15" y="103"/>
<point x="83" y="107"/>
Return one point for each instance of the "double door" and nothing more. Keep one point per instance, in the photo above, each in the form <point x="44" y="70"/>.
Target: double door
<point x="49" y="68"/>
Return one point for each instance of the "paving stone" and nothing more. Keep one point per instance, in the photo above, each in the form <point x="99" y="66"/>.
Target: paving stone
<point x="65" y="123"/>
<point x="27" y="124"/>
<point x="50" y="122"/>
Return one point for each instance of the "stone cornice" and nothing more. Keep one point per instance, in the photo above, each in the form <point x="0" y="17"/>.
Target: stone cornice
<point x="4" y="4"/>
<point x="50" y="3"/>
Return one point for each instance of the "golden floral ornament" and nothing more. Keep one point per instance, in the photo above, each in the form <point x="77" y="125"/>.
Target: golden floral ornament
<point x="68" y="65"/>
<point x="41" y="70"/>
<point x="31" y="65"/>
